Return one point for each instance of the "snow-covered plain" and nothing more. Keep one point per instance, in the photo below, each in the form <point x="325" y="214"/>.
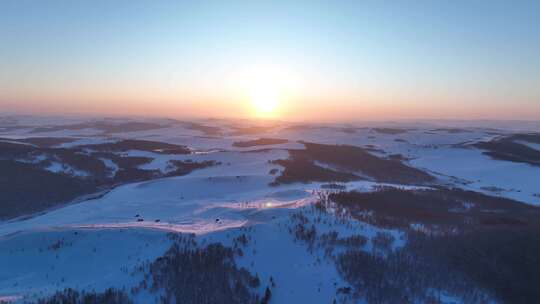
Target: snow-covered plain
<point x="96" y="244"/>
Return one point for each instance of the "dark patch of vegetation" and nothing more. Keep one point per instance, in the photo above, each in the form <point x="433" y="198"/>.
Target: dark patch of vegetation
<point x="129" y="171"/>
<point x="74" y="158"/>
<point x="207" y="130"/>
<point x="131" y="174"/>
<point x="259" y="142"/>
<point x="26" y="189"/>
<point x="48" y="142"/>
<point x="104" y="126"/>
<point x="141" y="145"/>
<point x="241" y="241"/>
<point x="299" y="128"/>
<point x="301" y="167"/>
<point x="503" y="264"/>
<point x="305" y="230"/>
<point x="333" y="239"/>
<point x="451" y="130"/>
<point x="71" y="296"/>
<point x="398" y="157"/>
<point x="475" y="246"/>
<point x="44" y="142"/>
<point x="79" y="161"/>
<point x="261" y="150"/>
<point x="304" y="171"/>
<point x="267" y="296"/>
<point x="528" y="137"/>
<point x="186" y="273"/>
<point x="403" y="277"/>
<point x="503" y="261"/>
<point x="128" y="168"/>
<point x="186" y="167"/>
<point x="493" y="189"/>
<point x="382" y="241"/>
<point x="445" y="208"/>
<point x="390" y="131"/>
<point x="373" y="148"/>
<point x="124" y="162"/>
<point x="27" y="186"/>
<point x="509" y="149"/>
<point x="11" y="150"/>
<point x="302" y="229"/>
<point x="189" y="274"/>
<point x="348" y="130"/>
<point x="357" y="159"/>
<point x="251" y="130"/>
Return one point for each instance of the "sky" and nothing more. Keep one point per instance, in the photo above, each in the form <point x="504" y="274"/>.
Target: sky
<point x="291" y="60"/>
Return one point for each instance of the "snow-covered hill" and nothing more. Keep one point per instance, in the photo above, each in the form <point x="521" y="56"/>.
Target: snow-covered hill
<point x="108" y="234"/>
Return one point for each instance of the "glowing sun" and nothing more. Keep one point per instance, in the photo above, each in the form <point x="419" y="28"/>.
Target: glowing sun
<point x="265" y="103"/>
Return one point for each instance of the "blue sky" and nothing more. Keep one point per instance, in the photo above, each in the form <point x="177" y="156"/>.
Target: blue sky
<point x="387" y="59"/>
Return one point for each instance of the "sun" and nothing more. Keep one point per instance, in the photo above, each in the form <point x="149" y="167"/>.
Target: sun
<point x="265" y="103"/>
<point x="266" y="90"/>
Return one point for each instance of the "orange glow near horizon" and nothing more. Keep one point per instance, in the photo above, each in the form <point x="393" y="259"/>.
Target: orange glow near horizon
<point x="281" y="91"/>
<point x="268" y="106"/>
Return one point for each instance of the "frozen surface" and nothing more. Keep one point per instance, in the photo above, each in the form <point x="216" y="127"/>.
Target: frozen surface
<point x="514" y="180"/>
<point x="95" y="244"/>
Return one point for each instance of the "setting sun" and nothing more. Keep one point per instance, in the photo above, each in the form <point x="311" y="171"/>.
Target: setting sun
<point x="265" y="88"/>
<point x="264" y="102"/>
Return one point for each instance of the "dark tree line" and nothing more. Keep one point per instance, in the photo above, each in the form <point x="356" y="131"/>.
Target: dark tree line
<point x="476" y="247"/>
<point x="71" y="296"/>
<point x="186" y="273"/>
<point x="202" y="275"/>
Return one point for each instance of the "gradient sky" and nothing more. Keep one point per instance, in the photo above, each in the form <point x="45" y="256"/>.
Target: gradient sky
<point x="326" y="60"/>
